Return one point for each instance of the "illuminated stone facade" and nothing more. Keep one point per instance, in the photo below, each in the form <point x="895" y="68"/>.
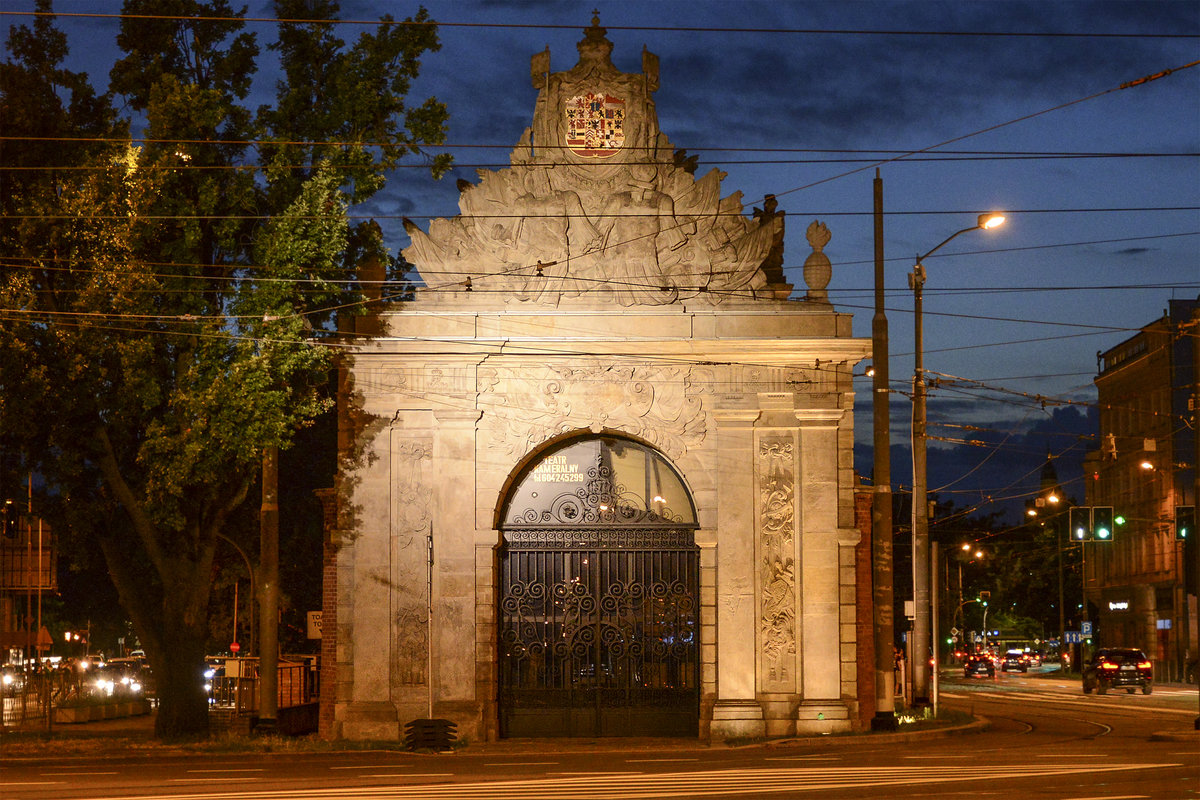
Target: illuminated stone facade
<point x="596" y="288"/>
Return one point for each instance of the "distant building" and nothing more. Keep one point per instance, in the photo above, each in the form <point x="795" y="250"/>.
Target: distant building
<point x="27" y="573"/>
<point x="1144" y="467"/>
<point x="598" y="475"/>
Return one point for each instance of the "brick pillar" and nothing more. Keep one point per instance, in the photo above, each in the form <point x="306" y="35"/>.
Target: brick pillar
<point x="865" y="607"/>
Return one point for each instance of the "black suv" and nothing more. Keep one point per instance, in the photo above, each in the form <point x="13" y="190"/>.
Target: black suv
<point x="1117" y="667"/>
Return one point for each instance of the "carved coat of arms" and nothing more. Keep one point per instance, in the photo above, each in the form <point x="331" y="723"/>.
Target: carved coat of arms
<point x="595" y="124"/>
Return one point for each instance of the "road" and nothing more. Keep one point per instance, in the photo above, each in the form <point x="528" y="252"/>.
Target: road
<point x="1045" y="739"/>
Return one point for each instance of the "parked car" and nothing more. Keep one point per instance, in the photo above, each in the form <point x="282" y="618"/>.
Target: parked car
<point x="1015" y="660"/>
<point x="12" y="680"/>
<point x="979" y="664"/>
<point x="1118" y="667"/>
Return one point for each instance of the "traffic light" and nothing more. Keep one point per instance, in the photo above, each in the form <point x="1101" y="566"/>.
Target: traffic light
<point x="1102" y="523"/>
<point x="1185" y="522"/>
<point x="1081" y="524"/>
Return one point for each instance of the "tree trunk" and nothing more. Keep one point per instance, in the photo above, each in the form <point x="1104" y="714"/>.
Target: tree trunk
<point x="179" y="683"/>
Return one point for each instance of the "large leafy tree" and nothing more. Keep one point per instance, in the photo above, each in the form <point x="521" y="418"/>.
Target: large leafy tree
<point x="165" y="320"/>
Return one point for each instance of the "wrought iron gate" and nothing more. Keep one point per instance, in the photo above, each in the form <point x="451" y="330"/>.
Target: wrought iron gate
<point x="599" y="616"/>
<point x="599" y="634"/>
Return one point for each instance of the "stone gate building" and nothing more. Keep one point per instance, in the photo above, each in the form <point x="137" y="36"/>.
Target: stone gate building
<point x="597" y="477"/>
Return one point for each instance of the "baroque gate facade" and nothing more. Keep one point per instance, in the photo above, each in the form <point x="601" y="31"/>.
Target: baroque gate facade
<point x="613" y="493"/>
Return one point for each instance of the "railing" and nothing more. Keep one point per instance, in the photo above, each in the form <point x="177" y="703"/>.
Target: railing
<point x="27" y="697"/>
<point x="239" y="691"/>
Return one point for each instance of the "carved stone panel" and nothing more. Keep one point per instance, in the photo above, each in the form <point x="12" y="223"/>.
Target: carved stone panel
<point x="411" y="515"/>
<point x="777" y="600"/>
<point x="528" y="404"/>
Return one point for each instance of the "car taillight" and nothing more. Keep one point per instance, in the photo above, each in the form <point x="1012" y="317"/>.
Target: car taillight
<point x="1107" y="665"/>
<point x="1143" y="665"/>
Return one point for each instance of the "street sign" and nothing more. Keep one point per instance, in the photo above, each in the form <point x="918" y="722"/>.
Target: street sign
<point x="954" y="631"/>
<point x="234" y="647"/>
<point x="1085" y="628"/>
<point x="1073" y="637"/>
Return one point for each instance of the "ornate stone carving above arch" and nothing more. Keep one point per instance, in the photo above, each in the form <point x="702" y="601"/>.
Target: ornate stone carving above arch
<point x="526" y="405"/>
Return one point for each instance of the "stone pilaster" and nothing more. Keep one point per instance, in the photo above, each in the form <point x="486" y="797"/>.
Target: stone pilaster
<point x="822" y="709"/>
<point x="736" y="712"/>
<point x="454" y="569"/>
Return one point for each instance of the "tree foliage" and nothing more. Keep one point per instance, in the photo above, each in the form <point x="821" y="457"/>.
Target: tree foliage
<point x="161" y="325"/>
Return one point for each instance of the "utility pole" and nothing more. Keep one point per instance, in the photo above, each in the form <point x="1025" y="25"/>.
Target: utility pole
<point x="920" y="508"/>
<point x="268" y="587"/>
<point x="881" y="498"/>
<point x="920" y="501"/>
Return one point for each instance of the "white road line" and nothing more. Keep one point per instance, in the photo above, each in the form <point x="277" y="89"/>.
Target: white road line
<point x="410" y="775"/>
<point x="14" y="784"/>
<point x="588" y="774"/>
<point x="945" y="756"/>
<point x="522" y="764"/>
<point x="208" y="780"/>
<point x="75" y="774"/>
<point x="658" y="760"/>
<point x="375" y="766"/>
<point x="225" y="769"/>
<point x="1073" y="755"/>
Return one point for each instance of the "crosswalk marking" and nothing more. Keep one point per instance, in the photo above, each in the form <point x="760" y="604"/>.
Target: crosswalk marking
<point x="1075" y="700"/>
<point x="685" y="784"/>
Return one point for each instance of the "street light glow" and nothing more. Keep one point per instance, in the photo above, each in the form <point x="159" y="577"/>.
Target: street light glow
<point x="989" y="221"/>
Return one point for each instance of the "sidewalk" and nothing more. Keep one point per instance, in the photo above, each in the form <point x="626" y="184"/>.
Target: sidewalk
<point x="134" y="737"/>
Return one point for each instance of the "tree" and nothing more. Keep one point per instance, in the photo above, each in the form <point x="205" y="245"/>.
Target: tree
<point x="165" y="324"/>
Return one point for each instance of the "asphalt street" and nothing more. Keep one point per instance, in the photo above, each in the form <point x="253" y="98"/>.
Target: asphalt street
<point x="1034" y="737"/>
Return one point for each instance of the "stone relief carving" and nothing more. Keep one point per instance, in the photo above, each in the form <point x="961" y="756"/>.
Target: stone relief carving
<point x="777" y="516"/>
<point x="411" y="504"/>
<point x="411" y="642"/>
<point x="528" y="404"/>
<point x="411" y="514"/>
<point x="595" y="205"/>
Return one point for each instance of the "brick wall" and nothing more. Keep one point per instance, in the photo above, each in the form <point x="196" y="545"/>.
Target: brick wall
<point x="864" y="584"/>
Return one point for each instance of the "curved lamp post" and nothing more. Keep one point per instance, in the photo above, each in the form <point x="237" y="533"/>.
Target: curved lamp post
<point x="920" y="507"/>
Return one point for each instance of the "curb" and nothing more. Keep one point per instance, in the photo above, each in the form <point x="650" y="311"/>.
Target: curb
<point x="979" y="725"/>
<point x="1175" y="736"/>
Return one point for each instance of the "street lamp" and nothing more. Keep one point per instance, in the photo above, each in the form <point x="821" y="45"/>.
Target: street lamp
<point x="920" y="508"/>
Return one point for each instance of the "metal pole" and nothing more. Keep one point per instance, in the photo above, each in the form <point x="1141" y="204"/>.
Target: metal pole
<point x="881" y="498"/>
<point x="933" y="627"/>
<point x="268" y="587"/>
<point x="1062" y="611"/>
<point x="429" y="622"/>
<point x="920" y="501"/>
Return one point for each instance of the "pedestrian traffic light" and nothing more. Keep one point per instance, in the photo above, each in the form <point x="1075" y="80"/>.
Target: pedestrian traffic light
<point x="1102" y="523"/>
<point x="1185" y="522"/>
<point x="1081" y="524"/>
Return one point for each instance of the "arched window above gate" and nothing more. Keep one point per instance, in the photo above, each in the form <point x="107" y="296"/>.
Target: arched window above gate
<point x="600" y="481"/>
